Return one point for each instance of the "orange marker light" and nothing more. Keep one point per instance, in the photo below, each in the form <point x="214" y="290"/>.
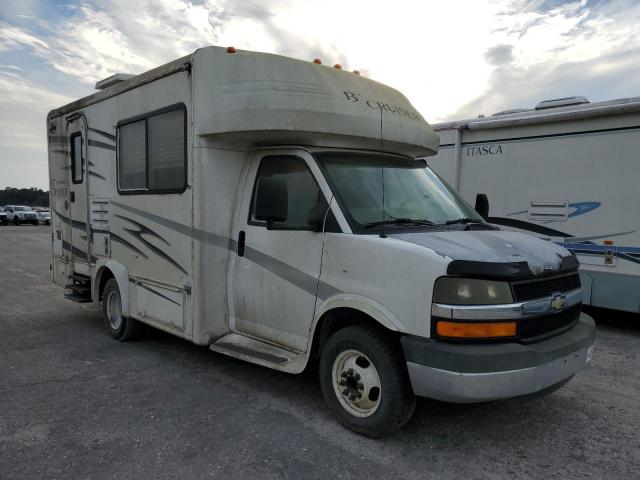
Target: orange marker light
<point x="608" y="242"/>
<point x="231" y="49"/>
<point x="476" y="330"/>
<point x="338" y="66"/>
<point x="318" y="61"/>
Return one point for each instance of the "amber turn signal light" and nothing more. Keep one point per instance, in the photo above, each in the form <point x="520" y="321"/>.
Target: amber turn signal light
<point x="476" y="329"/>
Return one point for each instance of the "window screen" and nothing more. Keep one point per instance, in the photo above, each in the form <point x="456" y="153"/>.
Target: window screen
<point x="166" y="151"/>
<point x="132" y="160"/>
<point x="152" y="153"/>
<point x="77" y="161"/>
<point x="305" y="198"/>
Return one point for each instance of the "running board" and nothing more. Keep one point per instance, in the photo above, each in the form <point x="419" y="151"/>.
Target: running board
<point x="262" y="353"/>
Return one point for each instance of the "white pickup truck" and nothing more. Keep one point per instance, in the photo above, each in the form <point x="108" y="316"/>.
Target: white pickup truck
<point x="19" y="214"/>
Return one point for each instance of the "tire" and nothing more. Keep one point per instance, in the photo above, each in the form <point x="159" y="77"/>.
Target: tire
<point x="346" y="362"/>
<point x="119" y="327"/>
<point x="16" y="220"/>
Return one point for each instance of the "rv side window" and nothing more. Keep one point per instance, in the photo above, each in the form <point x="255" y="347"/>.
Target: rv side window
<point x="152" y="152"/>
<point x="77" y="161"/>
<point x="132" y="158"/>
<point x="304" y="195"/>
<point x="166" y="151"/>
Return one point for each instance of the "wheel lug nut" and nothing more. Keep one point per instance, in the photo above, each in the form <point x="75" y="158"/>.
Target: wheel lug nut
<point x="360" y="386"/>
<point x="345" y="392"/>
<point x="342" y="383"/>
<point x="343" y="374"/>
<point x="352" y="398"/>
<point x="359" y="395"/>
<point x="357" y="376"/>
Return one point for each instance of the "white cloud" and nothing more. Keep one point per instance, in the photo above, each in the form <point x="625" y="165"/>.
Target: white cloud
<point x="24" y="108"/>
<point x="572" y="49"/>
<point x="23" y="141"/>
<point x="12" y="38"/>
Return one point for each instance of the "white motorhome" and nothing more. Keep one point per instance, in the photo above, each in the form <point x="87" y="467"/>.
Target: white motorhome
<point x="566" y="171"/>
<point x="276" y="211"/>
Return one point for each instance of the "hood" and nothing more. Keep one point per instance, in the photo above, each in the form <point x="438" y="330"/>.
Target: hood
<point x="495" y="246"/>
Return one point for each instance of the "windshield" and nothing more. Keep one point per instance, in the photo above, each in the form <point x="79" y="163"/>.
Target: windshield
<point x="411" y="189"/>
<point x="22" y="209"/>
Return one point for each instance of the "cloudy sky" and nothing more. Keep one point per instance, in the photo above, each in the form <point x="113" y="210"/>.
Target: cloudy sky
<point x="453" y="58"/>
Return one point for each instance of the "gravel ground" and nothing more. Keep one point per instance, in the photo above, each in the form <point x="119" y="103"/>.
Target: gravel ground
<point x="76" y="404"/>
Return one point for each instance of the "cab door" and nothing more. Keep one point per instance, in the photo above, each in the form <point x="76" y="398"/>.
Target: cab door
<point x="77" y="138"/>
<point x="273" y="275"/>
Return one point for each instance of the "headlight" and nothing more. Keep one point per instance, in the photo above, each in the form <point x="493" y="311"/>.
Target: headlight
<point x="471" y="291"/>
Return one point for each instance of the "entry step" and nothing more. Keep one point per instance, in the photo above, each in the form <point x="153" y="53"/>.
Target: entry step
<point x="75" y="297"/>
<point x="80" y="288"/>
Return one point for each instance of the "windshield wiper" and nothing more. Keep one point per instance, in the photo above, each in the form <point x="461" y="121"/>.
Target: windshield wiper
<point x="401" y="221"/>
<point x="463" y="220"/>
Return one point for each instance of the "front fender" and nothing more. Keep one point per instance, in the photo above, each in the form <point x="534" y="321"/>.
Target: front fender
<point x="363" y="304"/>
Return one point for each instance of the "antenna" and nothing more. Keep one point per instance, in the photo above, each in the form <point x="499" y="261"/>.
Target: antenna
<point x="384" y="229"/>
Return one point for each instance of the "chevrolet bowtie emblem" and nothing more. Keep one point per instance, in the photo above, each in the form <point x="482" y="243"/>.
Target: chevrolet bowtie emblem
<point x="558" y="302"/>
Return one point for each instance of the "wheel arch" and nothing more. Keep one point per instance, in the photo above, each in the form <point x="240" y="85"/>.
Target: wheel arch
<point x="113" y="269"/>
<point x="345" y="310"/>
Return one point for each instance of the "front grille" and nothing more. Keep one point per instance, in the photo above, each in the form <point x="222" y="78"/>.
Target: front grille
<point x="544" y="287"/>
<point x="532" y="328"/>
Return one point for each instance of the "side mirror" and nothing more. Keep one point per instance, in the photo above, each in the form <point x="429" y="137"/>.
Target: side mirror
<point x="482" y="205"/>
<point x="272" y="200"/>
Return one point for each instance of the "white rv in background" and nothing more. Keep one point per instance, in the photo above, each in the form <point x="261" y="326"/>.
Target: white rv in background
<point x="278" y="211"/>
<point x="566" y="171"/>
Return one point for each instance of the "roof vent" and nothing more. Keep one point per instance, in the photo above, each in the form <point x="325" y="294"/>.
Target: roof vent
<point x="112" y="80"/>
<point x="513" y="110"/>
<point x="561" y="102"/>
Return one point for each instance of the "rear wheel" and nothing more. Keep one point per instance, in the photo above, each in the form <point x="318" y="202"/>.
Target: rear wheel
<point x="365" y="382"/>
<point x="119" y="327"/>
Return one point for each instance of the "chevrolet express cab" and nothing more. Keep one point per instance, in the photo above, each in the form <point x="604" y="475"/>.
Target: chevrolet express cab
<point x="278" y="211"/>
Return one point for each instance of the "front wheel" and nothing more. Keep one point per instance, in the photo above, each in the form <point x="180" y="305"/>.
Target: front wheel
<point x="119" y="327"/>
<point x="364" y="381"/>
<point x="16" y="220"/>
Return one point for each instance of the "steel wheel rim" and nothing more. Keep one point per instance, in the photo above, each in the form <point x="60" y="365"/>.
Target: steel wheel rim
<point x="356" y="383"/>
<point x="114" y="310"/>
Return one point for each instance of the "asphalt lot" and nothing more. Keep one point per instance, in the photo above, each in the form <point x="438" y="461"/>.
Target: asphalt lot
<point x="76" y="404"/>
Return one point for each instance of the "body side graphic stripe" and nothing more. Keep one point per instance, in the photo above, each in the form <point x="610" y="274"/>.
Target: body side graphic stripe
<point x="142" y="230"/>
<point x="288" y="273"/>
<point x="74" y="223"/>
<point x="126" y="243"/>
<point x="142" y="285"/>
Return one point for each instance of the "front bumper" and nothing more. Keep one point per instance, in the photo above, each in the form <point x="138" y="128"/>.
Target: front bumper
<point x="468" y="373"/>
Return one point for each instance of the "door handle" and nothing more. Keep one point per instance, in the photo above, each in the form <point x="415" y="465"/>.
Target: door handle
<point x="240" y="247"/>
<point x="73" y="197"/>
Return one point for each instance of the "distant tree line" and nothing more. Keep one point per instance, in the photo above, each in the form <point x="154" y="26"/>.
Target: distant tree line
<point x="33" y="197"/>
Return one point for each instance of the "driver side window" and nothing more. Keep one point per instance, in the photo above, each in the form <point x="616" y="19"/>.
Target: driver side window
<point x="305" y="200"/>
